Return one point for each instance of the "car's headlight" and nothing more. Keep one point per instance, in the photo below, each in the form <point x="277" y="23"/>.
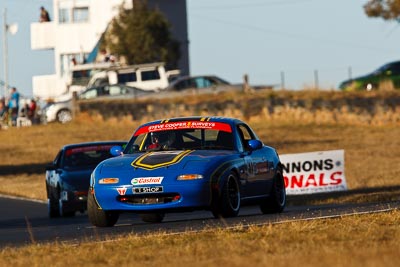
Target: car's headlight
<point x="109" y="181"/>
<point x="190" y="177"/>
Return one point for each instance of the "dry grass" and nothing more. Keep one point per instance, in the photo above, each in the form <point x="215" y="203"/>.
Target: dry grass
<point x="367" y="240"/>
<point x="372" y="154"/>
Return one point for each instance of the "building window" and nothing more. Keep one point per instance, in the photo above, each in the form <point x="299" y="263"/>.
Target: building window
<point x="63" y="15"/>
<point x="80" y="14"/>
<point x="70" y="13"/>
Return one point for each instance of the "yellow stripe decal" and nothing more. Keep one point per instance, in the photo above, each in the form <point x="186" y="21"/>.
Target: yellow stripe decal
<point x="158" y="159"/>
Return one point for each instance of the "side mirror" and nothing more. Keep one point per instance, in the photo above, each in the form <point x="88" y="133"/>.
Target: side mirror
<point x="255" y="144"/>
<point x="116" y="151"/>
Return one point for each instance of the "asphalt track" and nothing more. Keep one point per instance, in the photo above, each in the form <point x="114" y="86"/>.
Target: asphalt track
<point x="25" y="222"/>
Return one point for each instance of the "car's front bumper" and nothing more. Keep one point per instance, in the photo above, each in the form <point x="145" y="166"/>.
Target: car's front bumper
<point x="185" y="194"/>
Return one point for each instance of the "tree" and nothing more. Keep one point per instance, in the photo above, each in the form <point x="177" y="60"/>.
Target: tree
<point x="386" y="9"/>
<point x="142" y="35"/>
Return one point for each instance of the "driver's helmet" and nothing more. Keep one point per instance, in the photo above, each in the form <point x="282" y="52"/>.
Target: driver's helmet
<point x="154" y="137"/>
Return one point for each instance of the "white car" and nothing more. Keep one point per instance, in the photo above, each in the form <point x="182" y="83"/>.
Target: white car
<point x="62" y="111"/>
<point x="57" y="111"/>
<point x="151" y="76"/>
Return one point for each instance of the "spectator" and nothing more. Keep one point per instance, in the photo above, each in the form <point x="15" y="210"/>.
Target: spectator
<point x="44" y="15"/>
<point x="13" y="105"/>
<point x="3" y="108"/>
<point x="24" y="111"/>
<point x="3" y="115"/>
<point x="32" y="111"/>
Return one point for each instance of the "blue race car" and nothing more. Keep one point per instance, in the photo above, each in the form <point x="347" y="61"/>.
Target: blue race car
<point x="68" y="176"/>
<point x="183" y="164"/>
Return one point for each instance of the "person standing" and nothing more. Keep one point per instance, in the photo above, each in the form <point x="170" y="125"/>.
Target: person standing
<point x="13" y="105"/>
<point x="32" y="111"/>
<point x="3" y="114"/>
<point x="44" y="15"/>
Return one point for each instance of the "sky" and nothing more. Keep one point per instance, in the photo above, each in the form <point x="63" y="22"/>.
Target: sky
<point x="300" y="43"/>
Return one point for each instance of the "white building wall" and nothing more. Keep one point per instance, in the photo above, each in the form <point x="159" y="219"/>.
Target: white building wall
<point x="69" y="38"/>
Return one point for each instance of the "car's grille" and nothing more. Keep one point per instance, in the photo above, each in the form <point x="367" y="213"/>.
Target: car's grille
<point x="145" y="199"/>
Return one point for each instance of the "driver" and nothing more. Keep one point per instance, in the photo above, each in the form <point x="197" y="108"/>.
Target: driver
<point x="154" y="142"/>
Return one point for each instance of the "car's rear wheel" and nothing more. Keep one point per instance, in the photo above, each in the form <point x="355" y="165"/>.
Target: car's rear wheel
<point x="276" y="201"/>
<point x="152" y="217"/>
<point x="99" y="217"/>
<point x="228" y="202"/>
<point x="64" y="116"/>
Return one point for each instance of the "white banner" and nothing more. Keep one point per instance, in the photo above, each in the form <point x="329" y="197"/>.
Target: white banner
<point x="314" y="172"/>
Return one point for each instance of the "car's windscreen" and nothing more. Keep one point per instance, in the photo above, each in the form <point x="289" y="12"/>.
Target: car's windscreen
<point x="86" y="157"/>
<point x="182" y="136"/>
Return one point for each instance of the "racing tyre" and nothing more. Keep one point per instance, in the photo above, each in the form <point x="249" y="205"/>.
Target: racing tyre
<point x="64" y="116"/>
<point x="99" y="217"/>
<point x="52" y="207"/>
<point x="152" y="217"/>
<point x="276" y="201"/>
<point x="63" y="211"/>
<point x="228" y="204"/>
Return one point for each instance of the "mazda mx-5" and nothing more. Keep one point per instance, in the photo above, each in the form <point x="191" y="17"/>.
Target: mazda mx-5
<point x="182" y="164"/>
<point x="67" y="177"/>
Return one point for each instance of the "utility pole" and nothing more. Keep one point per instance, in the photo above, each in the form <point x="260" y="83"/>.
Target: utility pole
<point x="12" y="28"/>
<point x="5" y="52"/>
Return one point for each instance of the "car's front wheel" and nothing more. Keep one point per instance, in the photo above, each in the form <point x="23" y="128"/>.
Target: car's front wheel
<point x="276" y="201"/>
<point x="99" y="217"/>
<point x="56" y="207"/>
<point x="228" y="202"/>
<point x="152" y="217"/>
<point x="64" y="212"/>
<point x="64" y="116"/>
<point x="52" y="206"/>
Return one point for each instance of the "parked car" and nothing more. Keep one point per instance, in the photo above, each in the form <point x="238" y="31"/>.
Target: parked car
<point x="389" y="72"/>
<point x="113" y="91"/>
<point x="151" y="76"/>
<point x="182" y="164"/>
<point x="198" y="82"/>
<point x="61" y="111"/>
<point x="67" y="177"/>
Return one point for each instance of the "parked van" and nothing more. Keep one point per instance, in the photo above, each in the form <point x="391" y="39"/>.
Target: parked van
<point x="152" y="76"/>
<point x="80" y="75"/>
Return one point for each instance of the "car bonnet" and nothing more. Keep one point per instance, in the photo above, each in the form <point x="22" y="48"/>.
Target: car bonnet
<point x="159" y="161"/>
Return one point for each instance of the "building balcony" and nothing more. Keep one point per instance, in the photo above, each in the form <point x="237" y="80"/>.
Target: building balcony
<point x="45" y="86"/>
<point x="43" y="35"/>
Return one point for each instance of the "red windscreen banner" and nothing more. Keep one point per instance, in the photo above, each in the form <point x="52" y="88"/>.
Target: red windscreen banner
<point x="206" y="125"/>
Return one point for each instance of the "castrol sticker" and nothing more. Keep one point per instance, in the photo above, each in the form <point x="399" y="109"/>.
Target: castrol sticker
<point x="147" y="180"/>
